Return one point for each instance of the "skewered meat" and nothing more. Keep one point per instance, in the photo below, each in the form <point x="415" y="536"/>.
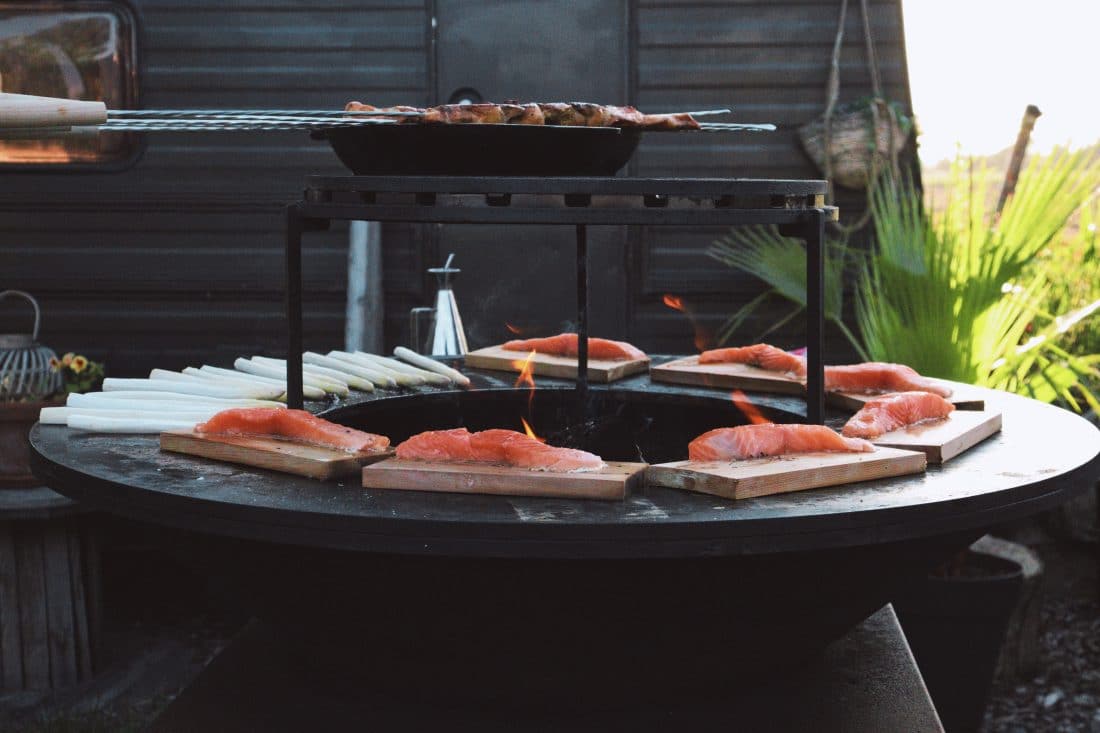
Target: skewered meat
<point x="570" y="114"/>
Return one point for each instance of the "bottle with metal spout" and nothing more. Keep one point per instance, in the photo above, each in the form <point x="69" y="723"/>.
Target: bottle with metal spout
<point x="445" y="335"/>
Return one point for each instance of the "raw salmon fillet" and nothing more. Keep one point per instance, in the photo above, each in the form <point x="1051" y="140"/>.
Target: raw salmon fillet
<point x="764" y="356"/>
<point x="499" y="447"/>
<point x="754" y="441"/>
<point x="890" y="412"/>
<point x="874" y="376"/>
<point x="565" y="344"/>
<point x="297" y="426"/>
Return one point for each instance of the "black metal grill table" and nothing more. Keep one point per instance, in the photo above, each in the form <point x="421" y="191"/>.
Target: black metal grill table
<point x="796" y="206"/>
<point x="666" y="593"/>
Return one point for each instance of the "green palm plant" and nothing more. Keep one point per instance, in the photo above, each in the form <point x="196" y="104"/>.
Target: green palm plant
<point x="960" y="295"/>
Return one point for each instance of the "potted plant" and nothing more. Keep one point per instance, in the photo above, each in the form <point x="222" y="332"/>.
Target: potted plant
<point x="78" y="374"/>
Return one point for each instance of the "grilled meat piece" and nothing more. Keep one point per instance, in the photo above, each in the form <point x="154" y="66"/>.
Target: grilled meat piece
<point x="560" y="113"/>
<point x="464" y="114"/>
<point x="594" y="115"/>
<point x="676" y="121"/>
<point x="522" y="114"/>
<point x="625" y="116"/>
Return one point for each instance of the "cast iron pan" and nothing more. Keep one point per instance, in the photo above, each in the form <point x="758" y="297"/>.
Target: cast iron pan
<point x="482" y="150"/>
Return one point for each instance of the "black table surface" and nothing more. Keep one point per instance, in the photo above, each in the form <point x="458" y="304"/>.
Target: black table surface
<point x="1043" y="455"/>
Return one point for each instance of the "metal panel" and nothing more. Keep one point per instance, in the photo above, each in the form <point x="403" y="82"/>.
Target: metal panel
<point x="769" y="62"/>
<point x="547" y="50"/>
<point x="179" y="260"/>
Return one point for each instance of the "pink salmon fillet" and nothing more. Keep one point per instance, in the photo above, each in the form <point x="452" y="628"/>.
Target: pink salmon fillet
<point x="764" y="356"/>
<point x="893" y="411"/>
<point x="565" y="344"/>
<point x="498" y="447"/>
<point x="297" y="426"/>
<point x="754" y="441"/>
<point x="875" y="377"/>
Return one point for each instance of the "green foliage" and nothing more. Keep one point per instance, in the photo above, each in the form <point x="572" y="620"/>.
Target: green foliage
<point x="963" y="294"/>
<point x="781" y="263"/>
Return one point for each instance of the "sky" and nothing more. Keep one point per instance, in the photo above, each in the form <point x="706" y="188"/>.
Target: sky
<point x="975" y="65"/>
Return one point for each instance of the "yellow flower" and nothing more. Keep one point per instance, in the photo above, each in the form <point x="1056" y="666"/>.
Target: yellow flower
<point x="78" y="364"/>
<point x="67" y="359"/>
<point x="55" y="364"/>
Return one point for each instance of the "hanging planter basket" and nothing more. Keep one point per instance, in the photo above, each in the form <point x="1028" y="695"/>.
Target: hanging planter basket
<point x="862" y="141"/>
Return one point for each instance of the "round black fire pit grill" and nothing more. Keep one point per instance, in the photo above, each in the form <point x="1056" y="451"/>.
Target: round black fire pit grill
<point x="514" y="599"/>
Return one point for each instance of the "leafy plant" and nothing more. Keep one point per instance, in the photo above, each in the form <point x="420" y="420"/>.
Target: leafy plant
<point x="781" y="263"/>
<point x="961" y="294"/>
<point x="78" y="373"/>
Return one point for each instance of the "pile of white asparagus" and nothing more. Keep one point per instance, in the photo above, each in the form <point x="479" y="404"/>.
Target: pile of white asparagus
<point x="180" y="400"/>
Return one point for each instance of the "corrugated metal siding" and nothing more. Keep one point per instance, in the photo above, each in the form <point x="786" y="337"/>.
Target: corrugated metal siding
<point x="179" y="260"/>
<point x="769" y="62"/>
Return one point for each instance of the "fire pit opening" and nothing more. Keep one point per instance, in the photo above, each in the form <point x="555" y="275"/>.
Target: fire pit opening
<point x="617" y="425"/>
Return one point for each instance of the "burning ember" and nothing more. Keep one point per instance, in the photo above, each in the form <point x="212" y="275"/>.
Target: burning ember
<point x="747" y="408"/>
<point x="531" y="433"/>
<point x="703" y="340"/>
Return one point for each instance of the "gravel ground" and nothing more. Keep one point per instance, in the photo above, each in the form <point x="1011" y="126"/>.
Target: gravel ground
<point x="1065" y="695"/>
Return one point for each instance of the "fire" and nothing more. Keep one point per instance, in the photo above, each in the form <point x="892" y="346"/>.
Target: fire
<point x="703" y="340"/>
<point x="513" y="329"/>
<point x="531" y="433"/>
<point x="747" y="408"/>
<point x="526" y="376"/>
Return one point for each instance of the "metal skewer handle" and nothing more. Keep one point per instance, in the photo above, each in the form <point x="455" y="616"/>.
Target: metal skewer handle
<point x="25" y="110"/>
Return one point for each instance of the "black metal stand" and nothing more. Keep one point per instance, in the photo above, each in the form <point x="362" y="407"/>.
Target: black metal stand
<point x="797" y="207"/>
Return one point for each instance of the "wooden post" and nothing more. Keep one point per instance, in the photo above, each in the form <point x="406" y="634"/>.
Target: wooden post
<point x="1026" y="126"/>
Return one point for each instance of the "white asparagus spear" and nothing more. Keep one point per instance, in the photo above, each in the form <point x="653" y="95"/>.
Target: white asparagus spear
<point x="329" y="384"/>
<point x="129" y="424"/>
<point x="267" y="370"/>
<point x="227" y="382"/>
<point x="374" y="375"/>
<point x="430" y="364"/>
<point x="353" y="380"/>
<point x="256" y="392"/>
<point x="400" y="366"/>
<point x="77" y="400"/>
<point x="122" y="395"/>
<point x="312" y="393"/>
<point x="395" y="377"/>
<point x="281" y="364"/>
<point x="61" y="415"/>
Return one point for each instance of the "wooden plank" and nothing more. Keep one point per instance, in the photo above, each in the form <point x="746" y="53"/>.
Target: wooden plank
<point x="276" y="455"/>
<point x="77" y="576"/>
<point x="611" y="482"/>
<point x="32" y="609"/>
<point x="726" y="376"/>
<point x="91" y="544"/>
<point x="546" y="365"/>
<point x="962" y="397"/>
<point x="60" y="624"/>
<point x="11" y="648"/>
<point x="783" y="474"/>
<point x="942" y="440"/>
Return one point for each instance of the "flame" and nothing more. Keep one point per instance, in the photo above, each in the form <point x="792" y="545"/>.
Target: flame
<point x="526" y="377"/>
<point x="747" y="408"/>
<point x="703" y="340"/>
<point x="514" y="329"/>
<point x="531" y="433"/>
